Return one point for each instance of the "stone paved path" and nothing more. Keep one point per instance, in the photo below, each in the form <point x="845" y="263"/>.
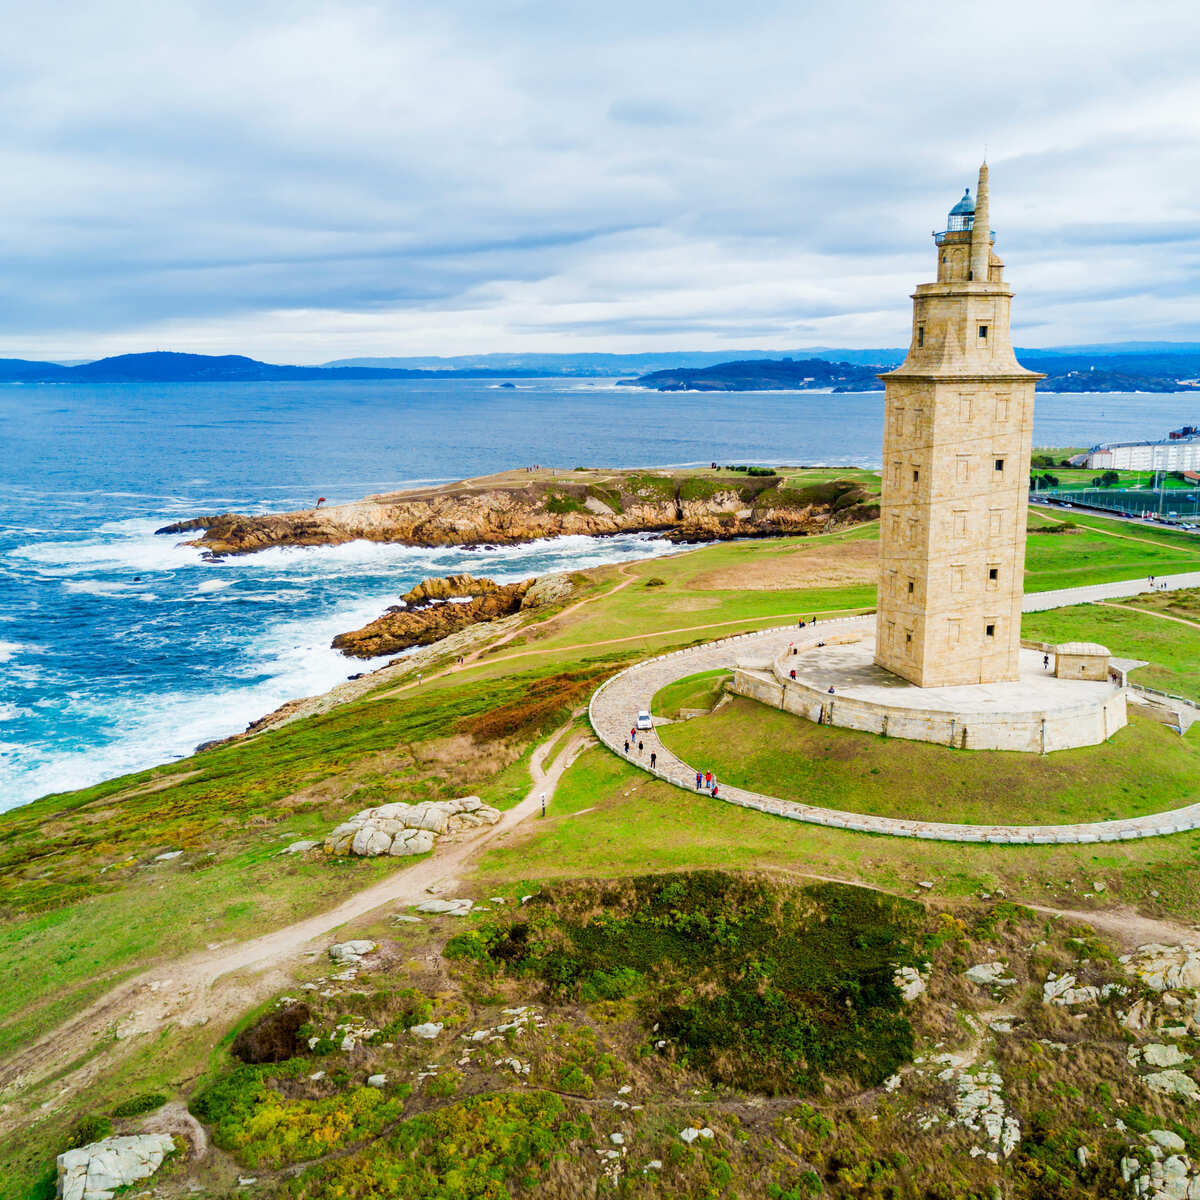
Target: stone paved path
<point x="615" y="704"/>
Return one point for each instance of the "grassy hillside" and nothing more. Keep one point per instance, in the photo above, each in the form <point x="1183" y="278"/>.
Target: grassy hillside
<point x="85" y="901"/>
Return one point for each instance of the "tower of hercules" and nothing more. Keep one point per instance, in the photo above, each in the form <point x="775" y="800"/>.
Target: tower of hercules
<point x="957" y="438"/>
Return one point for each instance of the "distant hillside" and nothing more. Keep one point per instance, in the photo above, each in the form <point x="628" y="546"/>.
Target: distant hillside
<point x="1067" y="371"/>
<point x="168" y="367"/>
<point x="755" y="375"/>
<point x="1149" y="372"/>
<point x="584" y="365"/>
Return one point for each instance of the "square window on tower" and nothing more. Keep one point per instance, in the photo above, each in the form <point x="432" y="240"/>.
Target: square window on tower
<point x="999" y="464"/>
<point x="983" y="333"/>
<point x="990" y="631"/>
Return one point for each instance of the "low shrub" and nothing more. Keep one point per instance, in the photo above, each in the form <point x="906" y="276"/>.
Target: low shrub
<point x="88" y="1129"/>
<point x="484" y="1148"/>
<point x="137" y="1106"/>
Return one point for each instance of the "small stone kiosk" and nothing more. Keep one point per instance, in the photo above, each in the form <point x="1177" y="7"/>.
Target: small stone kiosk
<point x="1082" y="660"/>
<point x="946" y="663"/>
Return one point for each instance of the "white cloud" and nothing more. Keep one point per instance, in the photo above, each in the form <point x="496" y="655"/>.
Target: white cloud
<point x="308" y="181"/>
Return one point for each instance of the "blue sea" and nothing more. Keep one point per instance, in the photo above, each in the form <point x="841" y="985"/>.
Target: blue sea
<point x="120" y="648"/>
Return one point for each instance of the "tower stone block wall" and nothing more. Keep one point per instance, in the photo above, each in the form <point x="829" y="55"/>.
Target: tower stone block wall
<point x="958" y="430"/>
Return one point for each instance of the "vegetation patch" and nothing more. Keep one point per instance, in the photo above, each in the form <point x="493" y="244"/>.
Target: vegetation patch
<point x="545" y="701"/>
<point x="485" y="1148"/>
<point x="272" y="1116"/>
<point x="561" y="502"/>
<point x="759" y="985"/>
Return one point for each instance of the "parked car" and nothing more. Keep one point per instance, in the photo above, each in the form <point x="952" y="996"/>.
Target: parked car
<point x="644" y="720"/>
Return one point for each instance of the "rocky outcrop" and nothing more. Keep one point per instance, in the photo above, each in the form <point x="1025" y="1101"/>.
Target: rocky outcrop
<point x="449" y="587"/>
<point x="504" y="510"/>
<point x="437" y="608"/>
<point x="405" y="829"/>
<point x="402" y="628"/>
<point x="95" y="1172"/>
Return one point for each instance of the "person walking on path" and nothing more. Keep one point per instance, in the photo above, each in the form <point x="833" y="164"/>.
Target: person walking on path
<point x="653" y="759"/>
<point x="1045" y="662"/>
<point x="633" y="735"/>
<point x="699" y="780"/>
<point x="714" y="789"/>
<point x="641" y="747"/>
<point x="626" y="745"/>
<point x="708" y="779"/>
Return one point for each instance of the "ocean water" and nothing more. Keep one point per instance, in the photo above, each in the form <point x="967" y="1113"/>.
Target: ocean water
<point x="120" y="648"/>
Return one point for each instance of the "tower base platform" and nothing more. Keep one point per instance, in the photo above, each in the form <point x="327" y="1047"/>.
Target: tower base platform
<point x="840" y="684"/>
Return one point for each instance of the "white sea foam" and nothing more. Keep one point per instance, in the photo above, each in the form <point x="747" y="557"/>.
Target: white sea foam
<point x="213" y="585"/>
<point x="273" y="662"/>
<point x="11" y="712"/>
<point x="9" y="650"/>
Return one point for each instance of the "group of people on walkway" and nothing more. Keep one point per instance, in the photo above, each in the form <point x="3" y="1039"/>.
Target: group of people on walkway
<point x="707" y="781"/>
<point x="640" y="746"/>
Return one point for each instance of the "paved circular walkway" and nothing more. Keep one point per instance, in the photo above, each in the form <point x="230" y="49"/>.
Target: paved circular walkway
<point x="614" y="706"/>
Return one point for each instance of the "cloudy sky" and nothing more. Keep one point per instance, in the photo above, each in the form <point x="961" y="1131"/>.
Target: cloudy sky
<point x="306" y="181"/>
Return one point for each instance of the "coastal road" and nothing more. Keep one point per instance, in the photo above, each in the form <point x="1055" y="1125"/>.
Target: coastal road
<point x="615" y="703"/>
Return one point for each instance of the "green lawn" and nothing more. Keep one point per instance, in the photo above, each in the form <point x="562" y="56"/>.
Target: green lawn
<point x="1102" y="551"/>
<point x="755" y="746"/>
<point x="702" y="690"/>
<point x="1171" y="648"/>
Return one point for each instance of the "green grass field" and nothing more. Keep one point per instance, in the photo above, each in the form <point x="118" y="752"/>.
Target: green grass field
<point x="755" y="746"/>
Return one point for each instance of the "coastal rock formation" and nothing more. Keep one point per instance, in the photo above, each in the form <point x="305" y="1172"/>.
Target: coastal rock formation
<point x="95" y="1172"/>
<point x="405" y="829"/>
<point x="506" y="509"/>
<point x="438" y="607"/>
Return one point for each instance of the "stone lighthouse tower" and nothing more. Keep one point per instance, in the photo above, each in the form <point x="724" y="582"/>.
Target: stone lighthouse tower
<point x="957" y="439"/>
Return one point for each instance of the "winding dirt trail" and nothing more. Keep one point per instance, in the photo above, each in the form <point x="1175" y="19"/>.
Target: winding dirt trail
<point x="219" y="984"/>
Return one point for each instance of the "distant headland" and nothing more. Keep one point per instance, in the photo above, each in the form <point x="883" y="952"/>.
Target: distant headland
<point x="1129" y="367"/>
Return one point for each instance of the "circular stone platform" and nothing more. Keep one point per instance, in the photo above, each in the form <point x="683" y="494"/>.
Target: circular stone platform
<point x="1035" y="713"/>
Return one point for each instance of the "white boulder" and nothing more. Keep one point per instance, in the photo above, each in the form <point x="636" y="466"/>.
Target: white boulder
<point x="351" y="952"/>
<point x="403" y="829"/>
<point x="95" y="1172"/>
<point x="990" y="974"/>
<point x="1173" y="1082"/>
<point x="455" y="908"/>
<point x="1171" y="1142"/>
<point x="909" y="983"/>
<point x="1159" y="1054"/>
<point x="429" y="1030"/>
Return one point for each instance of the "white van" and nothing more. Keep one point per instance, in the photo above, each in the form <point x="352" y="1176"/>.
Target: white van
<point x="644" y="720"/>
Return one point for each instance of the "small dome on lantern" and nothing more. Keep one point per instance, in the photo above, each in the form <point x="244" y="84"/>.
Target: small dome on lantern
<point x="962" y="215"/>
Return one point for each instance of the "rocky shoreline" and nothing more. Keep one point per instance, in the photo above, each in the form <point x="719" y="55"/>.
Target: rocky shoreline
<point x="520" y="507"/>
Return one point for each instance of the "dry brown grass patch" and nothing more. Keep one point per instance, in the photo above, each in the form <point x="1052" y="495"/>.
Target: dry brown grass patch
<point x="815" y="566"/>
